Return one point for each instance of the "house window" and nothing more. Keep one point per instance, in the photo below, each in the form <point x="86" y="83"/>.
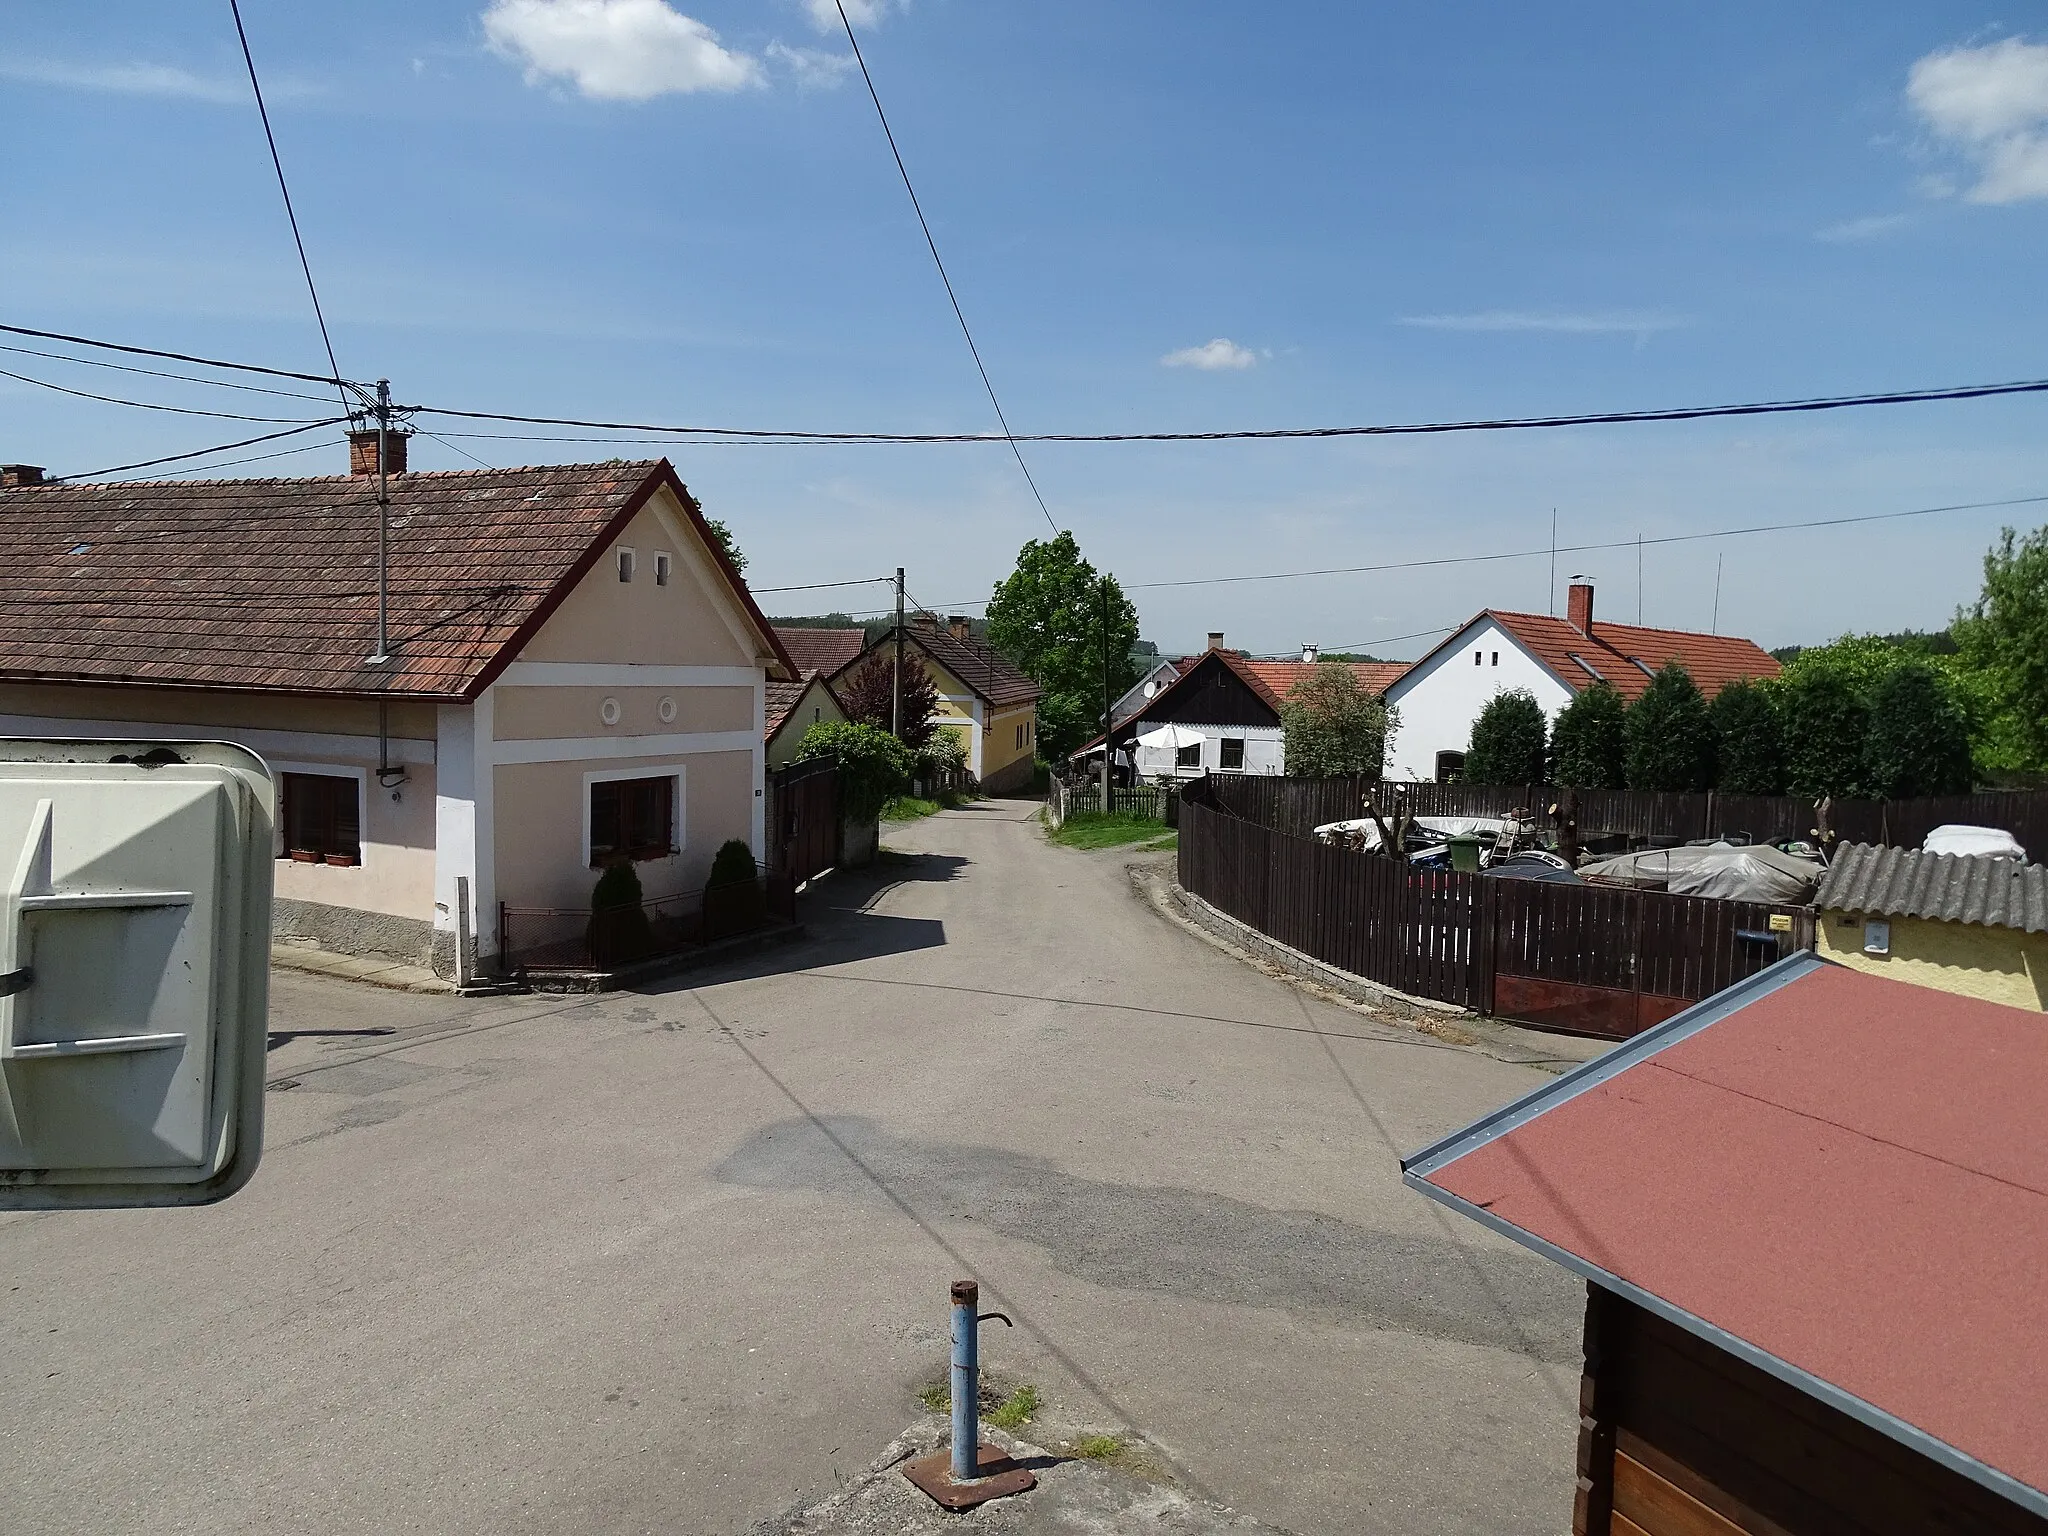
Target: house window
<point x="662" y="565"/>
<point x="323" y="818"/>
<point x="632" y="819"/>
<point x="1232" y="759"/>
<point x="1019" y="742"/>
<point x="625" y="565"/>
<point x="1188" y="757"/>
<point x="1475" y="655"/>
<point x="1450" y="767"/>
<point x="1496" y="658"/>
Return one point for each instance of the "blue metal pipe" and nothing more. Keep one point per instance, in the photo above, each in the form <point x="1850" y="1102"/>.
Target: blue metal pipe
<point x="966" y="1381"/>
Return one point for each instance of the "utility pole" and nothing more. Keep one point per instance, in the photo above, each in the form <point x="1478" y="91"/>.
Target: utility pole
<point x="382" y="657"/>
<point x="896" y="683"/>
<point x="1551" y="607"/>
<point x="1107" y="702"/>
<point x="1716" y="628"/>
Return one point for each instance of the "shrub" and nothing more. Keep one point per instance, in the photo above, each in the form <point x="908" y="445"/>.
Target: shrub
<point x="869" y="694"/>
<point x="1587" y="747"/>
<point x="732" y="865"/>
<point x="1331" y="725"/>
<point x="873" y="765"/>
<point x="1670" y="735"/>
<point x="1507" y="741"/>
<point x="1919" y="741"/>
<point x="1825" y="720"/>
<point x="619" y="932"/>
<point x="944" y="753"/>
<point x="733" y="900"/>
<point x="1750" y="740"/>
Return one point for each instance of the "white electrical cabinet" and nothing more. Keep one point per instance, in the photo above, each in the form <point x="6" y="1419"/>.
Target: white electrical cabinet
<point x="134" y="971"/>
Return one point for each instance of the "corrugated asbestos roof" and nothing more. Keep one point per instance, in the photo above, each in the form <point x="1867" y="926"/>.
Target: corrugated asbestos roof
<point x="272" y="584"/>
<point x="1904" y="882"/>
<point x="1838" y="1176"/>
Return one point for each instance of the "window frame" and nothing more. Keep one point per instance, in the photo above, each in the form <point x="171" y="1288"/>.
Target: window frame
<point x="332" y="775"/>
<point x="1223" y="762"/>
<point x="1441" y="764"/>
<point x="664" y="565"/>
<point x="628" y="564"/>
<point x="1180" y="756"/>
<point x="678" y="838"/>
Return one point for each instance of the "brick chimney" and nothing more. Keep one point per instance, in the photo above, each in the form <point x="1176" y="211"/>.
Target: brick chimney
<point x="362" y="452"/>
<point x="922" y="620"/>
<point x="1311" y="652"/>
<point x="1579" y="607"/>
<point x="13" y="476"/>
<point x="1215" y="639"/>
<point x="957" y="624"/>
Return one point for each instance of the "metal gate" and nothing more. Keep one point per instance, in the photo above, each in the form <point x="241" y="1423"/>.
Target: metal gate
<point x="805" y="836"/>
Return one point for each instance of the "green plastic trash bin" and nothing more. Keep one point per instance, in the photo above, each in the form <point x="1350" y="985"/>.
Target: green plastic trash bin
<point x="1465" y="853"/>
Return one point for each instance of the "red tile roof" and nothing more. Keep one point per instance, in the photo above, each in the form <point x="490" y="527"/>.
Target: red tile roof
<point x="820" y="650"/>
<point x="1845" y="1173"/>
<point x="1276" y="679"/>
<point x="781" y="698"/>
<point x="1713" y="660"/>
<point x="271" y="585"/>
<point x="975" y="662"/>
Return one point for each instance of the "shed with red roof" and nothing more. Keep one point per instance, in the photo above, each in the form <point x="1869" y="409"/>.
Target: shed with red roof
<point x="1813" y="1217"/>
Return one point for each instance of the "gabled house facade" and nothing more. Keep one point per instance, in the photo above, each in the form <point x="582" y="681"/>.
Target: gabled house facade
<point x="1440" y="696"/>
<point x="1225" y="710"/>
<point x="575" y="675"/>
<point x="792" y="709"/>
<point x="983" y="699"/>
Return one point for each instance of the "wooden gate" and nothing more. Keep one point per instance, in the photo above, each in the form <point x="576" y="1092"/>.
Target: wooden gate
<point x="805" y="839"/>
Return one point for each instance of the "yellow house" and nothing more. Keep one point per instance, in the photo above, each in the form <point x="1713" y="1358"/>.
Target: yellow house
<point x="983" y="699"/>
<point x="1970" y="925"/>
<point x="794" y="708"/>
<point x="572" y="674"/>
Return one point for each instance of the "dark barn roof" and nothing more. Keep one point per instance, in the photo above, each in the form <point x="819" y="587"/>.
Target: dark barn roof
<point x="271" y="585"/>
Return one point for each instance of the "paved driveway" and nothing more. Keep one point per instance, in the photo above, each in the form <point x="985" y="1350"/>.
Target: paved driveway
<point x="673" y="1261"/>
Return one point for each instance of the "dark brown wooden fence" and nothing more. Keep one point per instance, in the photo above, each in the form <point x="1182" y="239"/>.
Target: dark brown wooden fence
<point x="803" y="816"/>
<point x="1298" y="806"/>
<point x="1590" y="959"/>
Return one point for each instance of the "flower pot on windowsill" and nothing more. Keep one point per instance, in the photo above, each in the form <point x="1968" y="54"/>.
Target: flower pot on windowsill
<point x="304" y="856"/>
<point x="342" y="860"/>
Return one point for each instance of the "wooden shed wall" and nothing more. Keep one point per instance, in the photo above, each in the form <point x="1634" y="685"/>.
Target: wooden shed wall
<point x="1680" y="1438"/>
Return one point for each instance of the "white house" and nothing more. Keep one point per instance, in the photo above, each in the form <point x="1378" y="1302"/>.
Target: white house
<point x="1440" y="696"/>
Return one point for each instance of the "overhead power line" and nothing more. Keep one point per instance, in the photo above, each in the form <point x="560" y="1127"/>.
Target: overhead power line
<point x="814" y="586"/>
<point x="141" y="405"/>
<point x="305" y="266"/>
<point x="200" y="453"/>
<point x="958" y="314"/>
<point x="175" y="357"/>
<point x="160" y="373"/>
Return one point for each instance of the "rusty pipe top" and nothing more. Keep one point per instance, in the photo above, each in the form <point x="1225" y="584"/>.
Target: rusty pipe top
<point x="966" y="1293"/>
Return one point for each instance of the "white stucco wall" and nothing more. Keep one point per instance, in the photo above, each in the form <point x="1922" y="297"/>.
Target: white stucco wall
<point x="1264" y="752"/>
<point x="1440" y="698"/>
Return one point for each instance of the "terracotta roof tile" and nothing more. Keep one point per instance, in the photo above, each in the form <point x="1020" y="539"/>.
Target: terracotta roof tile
<point x="975" y="662"/>
<point x="1276" y="679"/>
<point x="1613" y="651"/>
<point x="821" y="650"/>
<point x="780" y="699"/>
<point x="272" y="584"/>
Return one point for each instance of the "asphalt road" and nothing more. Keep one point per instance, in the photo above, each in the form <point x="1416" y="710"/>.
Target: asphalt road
<point x="674" y="1261"/>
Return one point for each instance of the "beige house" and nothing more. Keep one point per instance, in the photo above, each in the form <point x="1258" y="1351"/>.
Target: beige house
<point x="572" y="674"/>
<point x="794" y="708"/>
<point x="983" y="700"/>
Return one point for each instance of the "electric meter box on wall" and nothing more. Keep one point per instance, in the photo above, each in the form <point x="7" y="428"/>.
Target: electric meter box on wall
<point x="134" y="971"/>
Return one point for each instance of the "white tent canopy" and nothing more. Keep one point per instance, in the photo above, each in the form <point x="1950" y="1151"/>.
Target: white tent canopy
<point x="1169" y="738"/>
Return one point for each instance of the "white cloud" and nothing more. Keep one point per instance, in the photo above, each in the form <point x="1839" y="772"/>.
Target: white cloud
<point x="1870" y="227"/>
<point x="1212" y="356"/>
<point x="617" y="50"/>
<point x="810" y="66"/>
<point x="126" y="80"/>
<point x="1991" y="104"/>
<point x="824" y="14"/>
<point x="1594" y="323"/>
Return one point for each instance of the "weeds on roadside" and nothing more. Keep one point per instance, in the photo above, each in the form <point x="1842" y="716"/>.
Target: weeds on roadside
<point x="1019" y="1408"/>
<point x="1092" y="829"/>
<point x="1096" y="1447"/>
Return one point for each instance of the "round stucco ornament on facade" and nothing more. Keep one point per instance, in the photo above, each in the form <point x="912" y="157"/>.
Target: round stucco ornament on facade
<point x="609" y="711"/>
<point x="666" y="709"/>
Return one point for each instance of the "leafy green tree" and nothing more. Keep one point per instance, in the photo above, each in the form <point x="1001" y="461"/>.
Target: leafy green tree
<point x="1332" y="726"/>
<point x="2003" y="638"/>
<point x="1508" y="741"/>
<point x="1055" y="616"/>
<point x="727" y="543"/>
<point x="1588" y="749"/>
<point x="1670" y="734"/>
<point x="1919" y="741"/>
<point x="1749" y="740"/>
<point x="1825" y="718"/>
<point x="873" y="765"/>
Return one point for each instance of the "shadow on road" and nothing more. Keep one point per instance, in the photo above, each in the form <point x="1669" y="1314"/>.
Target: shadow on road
<point x="281" y="1037"/>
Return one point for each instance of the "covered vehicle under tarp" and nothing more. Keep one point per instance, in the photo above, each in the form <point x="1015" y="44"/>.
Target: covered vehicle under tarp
<point x="1721" y="870"/>
<point x="1360" y="832"/>
<point x="1975" y="842"/>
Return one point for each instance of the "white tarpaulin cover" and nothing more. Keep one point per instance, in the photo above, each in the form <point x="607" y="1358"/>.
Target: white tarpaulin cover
<point x="1982" y="842"/>
<point x="1720" y="869"/>
<point x="1168" y="738"/>
<point x="1437" y="826"/>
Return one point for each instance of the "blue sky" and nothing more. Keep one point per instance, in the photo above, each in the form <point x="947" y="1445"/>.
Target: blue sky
<point x="686" y="212"/>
